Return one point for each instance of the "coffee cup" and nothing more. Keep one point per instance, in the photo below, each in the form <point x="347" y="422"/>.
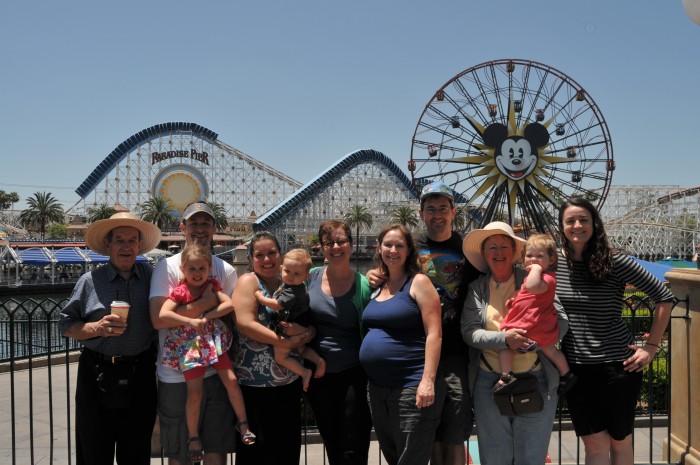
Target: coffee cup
<point x="120" y="308"/>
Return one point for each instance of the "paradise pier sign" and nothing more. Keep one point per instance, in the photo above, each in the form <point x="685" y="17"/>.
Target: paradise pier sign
<point x="192" y="154"/>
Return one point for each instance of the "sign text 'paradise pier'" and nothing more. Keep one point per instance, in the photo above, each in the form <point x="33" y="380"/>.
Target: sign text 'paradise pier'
<point x="192" y="154"/>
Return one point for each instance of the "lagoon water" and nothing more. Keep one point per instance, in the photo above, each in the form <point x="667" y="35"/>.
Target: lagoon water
<point x="35" y="328"/>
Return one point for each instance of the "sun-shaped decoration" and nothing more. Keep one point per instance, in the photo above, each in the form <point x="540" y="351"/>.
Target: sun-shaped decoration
<point x="513" y="154"/>
<point x="181" y="185"/>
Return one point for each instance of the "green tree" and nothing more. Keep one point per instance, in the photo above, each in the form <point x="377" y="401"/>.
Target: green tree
<point x="314" y="240"/>
<point x="100" y="212"/>
<point x="460" y="220"/>
<point x="220" y="218"/>
<point x="43" y="209"/>
<point x="7" y="199"/>
<point x="57" y="231"/>
<point x="358" y="216"/>
<point x="158" y="210"/>
<point x="405" y="215"/>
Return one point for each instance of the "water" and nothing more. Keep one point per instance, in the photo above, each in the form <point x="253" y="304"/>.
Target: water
<point x="29" y="314"/>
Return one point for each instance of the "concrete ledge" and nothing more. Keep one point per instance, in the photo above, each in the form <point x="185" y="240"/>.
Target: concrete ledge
<point x="39" y="362"/>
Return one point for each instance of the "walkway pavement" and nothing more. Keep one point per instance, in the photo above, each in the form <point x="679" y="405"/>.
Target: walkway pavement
<point x="35" y="391"/>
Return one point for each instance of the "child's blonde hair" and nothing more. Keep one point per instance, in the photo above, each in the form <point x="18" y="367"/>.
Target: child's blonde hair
<point x="301" y="256"/>
<point x="543" y="241"/>
<point x="195" y="251"/>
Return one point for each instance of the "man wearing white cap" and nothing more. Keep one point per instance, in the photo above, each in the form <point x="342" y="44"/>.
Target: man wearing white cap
<point x="217" y="436"/>
<point x="442" y="260"/>
<point x="115" y="397"/>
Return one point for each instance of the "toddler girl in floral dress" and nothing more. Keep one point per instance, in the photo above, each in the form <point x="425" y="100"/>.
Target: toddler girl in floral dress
<point x="199" y="343"/>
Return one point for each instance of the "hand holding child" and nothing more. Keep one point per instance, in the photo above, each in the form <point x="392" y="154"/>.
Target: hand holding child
<point x="198" y="323"/>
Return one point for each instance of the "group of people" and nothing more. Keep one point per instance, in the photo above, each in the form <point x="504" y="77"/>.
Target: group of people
<point x="416" y="349"/>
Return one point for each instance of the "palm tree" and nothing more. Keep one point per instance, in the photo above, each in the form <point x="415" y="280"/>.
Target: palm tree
<point x="460" y="220"/>
<point x="358" y="216"/>
<point x="8" y="199"/>
<point x="100" y="212"/>
<point x="43" y="209"/>
<point x="220" y="219"/>
<point x="158" y="211"/>
<point x="405" y="215"/>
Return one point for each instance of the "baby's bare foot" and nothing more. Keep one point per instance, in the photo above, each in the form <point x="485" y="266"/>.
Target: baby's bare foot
<point x="320" y="368"/>
<point x="306" y="379"/>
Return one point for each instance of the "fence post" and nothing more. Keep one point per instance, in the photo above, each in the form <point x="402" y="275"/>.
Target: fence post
<point x="685" y="375"/>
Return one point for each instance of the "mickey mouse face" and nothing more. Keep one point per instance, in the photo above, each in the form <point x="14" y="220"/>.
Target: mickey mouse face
<point x="516" y="156"/>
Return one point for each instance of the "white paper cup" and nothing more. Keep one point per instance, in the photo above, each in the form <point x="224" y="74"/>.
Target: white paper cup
<point x="120" y="308"/>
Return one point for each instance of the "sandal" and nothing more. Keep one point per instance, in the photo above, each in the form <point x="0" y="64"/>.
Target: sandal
<point x="503" y="381"/>
<point x="566" y="382"/>
<point x="247" y="438"/>
<point x="196" y="454"/>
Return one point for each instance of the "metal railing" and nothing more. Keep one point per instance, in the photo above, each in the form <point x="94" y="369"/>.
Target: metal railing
<point x="37" y="369"/>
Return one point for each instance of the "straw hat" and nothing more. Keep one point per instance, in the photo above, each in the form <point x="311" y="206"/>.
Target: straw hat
<point x="97" y="232"/>
<point x="472" y="243"/>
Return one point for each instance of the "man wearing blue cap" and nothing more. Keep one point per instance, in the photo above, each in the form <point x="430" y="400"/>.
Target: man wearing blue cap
<point x="442" y="260"/>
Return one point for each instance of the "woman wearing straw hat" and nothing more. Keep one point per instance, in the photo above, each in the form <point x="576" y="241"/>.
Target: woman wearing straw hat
<point x="115" y="397"/>
<point x="521" y="439"/>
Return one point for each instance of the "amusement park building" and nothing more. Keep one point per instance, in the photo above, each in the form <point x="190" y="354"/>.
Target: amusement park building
<point x="366" y="177"/>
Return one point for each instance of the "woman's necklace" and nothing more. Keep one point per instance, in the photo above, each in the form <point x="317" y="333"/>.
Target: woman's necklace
<point x="497" y="284"/>
<point x="392" y="286"/>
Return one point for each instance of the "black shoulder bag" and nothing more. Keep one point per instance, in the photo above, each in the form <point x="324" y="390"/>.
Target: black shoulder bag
<point x="519" y="397"/>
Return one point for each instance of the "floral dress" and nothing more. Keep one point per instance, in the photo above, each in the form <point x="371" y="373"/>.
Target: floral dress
<point x="185" y="347"/>
<point x="254" y="362"/>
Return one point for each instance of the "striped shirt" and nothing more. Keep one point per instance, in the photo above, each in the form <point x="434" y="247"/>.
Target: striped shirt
<point x="597" y="332"/>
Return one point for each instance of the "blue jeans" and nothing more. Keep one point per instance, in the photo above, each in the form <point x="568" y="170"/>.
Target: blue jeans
<point x="503" y="440"/>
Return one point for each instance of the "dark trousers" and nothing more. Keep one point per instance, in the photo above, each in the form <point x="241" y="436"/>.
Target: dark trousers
<point x="102" y="431"/>
<point x="274" y="415"/>
<point x="339" y="402"/>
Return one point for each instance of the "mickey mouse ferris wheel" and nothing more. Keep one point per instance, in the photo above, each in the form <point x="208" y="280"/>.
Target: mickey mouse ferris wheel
<point x="514" y="139"/>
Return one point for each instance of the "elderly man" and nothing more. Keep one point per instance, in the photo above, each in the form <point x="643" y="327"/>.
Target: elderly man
<point x="442" y="260"/>
<point x="216" y="430"/>
<point x="115" y="398"/>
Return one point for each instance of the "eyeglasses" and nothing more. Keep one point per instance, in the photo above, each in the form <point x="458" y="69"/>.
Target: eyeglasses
<point x="340" y="243"/>
<point x="437" y="211"/>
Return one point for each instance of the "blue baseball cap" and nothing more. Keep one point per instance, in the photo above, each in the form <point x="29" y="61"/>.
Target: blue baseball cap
<point x="437" y="188"/>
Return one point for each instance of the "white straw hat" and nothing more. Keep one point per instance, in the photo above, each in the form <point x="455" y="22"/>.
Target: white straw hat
<point x="97" y="231"/>
<point x="472" y="243"/>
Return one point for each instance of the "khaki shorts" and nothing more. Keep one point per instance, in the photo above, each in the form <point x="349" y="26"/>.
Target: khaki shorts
<point x="457" y="415"/>
<point x="216" y="419"/>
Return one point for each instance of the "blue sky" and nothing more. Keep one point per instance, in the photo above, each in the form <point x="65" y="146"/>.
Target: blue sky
<point x="298" y="85"/>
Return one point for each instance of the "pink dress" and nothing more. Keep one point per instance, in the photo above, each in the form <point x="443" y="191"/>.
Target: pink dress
<point x="185" y="347"/>
<point x="535" y="313"/>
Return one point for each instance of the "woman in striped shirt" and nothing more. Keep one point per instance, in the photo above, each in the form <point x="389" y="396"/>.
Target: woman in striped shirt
<point x="599" y="346"/>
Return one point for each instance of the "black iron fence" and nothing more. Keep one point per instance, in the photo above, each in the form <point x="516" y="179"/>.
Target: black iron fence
<point x="35" y="364"/>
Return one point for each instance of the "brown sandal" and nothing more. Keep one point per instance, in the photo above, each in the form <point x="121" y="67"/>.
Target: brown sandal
<point x="195" y="454"/>
<point x="247" y="438"/>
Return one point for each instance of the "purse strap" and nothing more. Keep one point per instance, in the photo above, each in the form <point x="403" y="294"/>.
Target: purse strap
<point x="488" y="365"/>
